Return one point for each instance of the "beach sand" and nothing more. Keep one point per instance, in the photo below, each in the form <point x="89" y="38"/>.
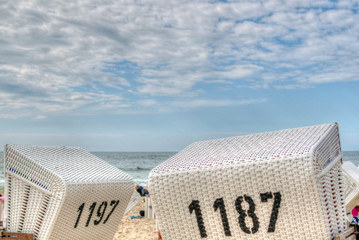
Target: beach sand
<point x="138" y="228"/>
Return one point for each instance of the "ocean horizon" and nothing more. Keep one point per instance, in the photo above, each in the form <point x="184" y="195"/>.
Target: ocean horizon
<point x="139" y="164"/>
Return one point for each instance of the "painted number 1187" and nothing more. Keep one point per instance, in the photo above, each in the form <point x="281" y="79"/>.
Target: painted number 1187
<point x="219" y="204"/>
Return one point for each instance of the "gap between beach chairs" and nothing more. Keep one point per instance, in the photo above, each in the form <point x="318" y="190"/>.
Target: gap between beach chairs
<point x="149" y="210"/>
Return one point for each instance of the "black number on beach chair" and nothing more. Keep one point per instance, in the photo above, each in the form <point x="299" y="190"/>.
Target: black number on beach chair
<point x="92" y="208"/>
<point x="99" y="213"/>
<point x="219" y="203"/>
<point x="276" y="205"/>
<point x="80" y="212"/>
<point x="197" y="209"/>
<point x="115" y="203"/>
<point x="243" y="215"/>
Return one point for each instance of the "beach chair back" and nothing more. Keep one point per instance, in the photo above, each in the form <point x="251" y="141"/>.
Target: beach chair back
<point x="63" y="193"/>
<point x="351" y="183"/>
<point x="134" y="201"/>
<point x="277" y="185"/>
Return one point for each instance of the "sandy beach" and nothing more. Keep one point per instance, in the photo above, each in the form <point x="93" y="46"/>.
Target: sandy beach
<point x="137" y="228"/>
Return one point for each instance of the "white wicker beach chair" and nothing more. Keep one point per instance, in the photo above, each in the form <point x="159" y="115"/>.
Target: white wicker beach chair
<point x="278" y="185"/>
<point x="351" y="183"/>
<point x="63" y="193"/>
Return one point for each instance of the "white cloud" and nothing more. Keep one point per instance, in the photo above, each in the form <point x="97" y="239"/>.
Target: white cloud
<point x="238" y="71"/>
<point x="147" y="102"/>
<point x="214" y="103"/>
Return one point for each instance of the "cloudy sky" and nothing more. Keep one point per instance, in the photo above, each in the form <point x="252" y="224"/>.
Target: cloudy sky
<point x="157" y="75"/>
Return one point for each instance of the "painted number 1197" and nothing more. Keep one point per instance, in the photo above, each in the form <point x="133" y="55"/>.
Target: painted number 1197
<point x="100" y="213"/>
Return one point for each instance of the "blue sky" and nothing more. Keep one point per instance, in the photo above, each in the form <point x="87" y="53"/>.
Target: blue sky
<point x="158" y="75"/>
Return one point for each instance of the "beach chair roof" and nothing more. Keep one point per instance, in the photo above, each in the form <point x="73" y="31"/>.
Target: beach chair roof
<point x="284" y="144"/>
<point x="71" y="164"/>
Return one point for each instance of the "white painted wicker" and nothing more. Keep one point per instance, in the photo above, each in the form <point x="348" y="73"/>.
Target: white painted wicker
<point x="351" y="183"/>
<point x="63" y="193"/>
<point x="134" y="201"/>
<point x="278" y="185"/>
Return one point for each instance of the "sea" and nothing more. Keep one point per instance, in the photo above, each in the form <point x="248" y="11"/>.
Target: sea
<point x="139" y="164"/>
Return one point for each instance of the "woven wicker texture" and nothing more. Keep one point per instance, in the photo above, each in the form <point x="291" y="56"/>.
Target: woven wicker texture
<point x="63" y="193"/>
<point x="351" y="183"/>
<point x="278" y="185"/>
